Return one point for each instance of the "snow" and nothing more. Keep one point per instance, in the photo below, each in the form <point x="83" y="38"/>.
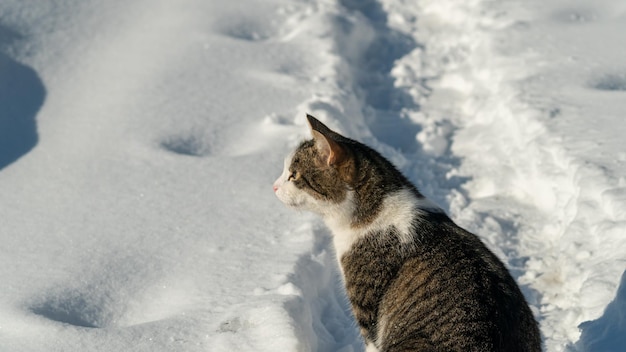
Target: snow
<point x="139" y="142"/>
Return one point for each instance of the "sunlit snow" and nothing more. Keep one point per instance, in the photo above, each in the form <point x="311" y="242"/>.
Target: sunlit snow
<point x="139" y="141"/>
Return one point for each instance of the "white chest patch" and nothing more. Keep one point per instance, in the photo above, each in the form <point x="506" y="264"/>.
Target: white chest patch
<point x="399" y="210"/>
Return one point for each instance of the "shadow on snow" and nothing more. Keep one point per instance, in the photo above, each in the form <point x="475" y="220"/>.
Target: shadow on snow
<point x="21" y="96"/>
<point x="383" y="102"/>
<point x="607" y="333"/>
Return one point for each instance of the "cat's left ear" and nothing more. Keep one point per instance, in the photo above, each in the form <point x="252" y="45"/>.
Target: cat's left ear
<point x="331" y="151"/>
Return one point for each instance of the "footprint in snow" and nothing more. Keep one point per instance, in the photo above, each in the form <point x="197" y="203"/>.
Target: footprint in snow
<point x="245" y="28"/>
<point x="186" y="144"/>
<point x="76" y="308"/>
<point x="609" y="82"/>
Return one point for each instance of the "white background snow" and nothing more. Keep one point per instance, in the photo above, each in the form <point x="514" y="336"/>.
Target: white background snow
<point x="139" y="141"/>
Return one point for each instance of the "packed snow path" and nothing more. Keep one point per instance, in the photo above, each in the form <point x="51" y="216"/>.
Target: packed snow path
<point x="139" y="142"/>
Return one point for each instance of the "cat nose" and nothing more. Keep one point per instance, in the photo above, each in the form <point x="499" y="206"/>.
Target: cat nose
<point x="275" y="188"/>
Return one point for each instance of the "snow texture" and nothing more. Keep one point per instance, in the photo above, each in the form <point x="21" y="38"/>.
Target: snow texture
<point x="139" y="141"/>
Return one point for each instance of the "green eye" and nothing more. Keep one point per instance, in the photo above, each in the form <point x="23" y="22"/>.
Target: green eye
<point x="295" y="175"/>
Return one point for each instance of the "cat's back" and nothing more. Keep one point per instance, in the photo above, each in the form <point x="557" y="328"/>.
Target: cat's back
<point x="442" y="291"/>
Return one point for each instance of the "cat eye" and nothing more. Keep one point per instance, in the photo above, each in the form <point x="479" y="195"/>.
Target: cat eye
<point x="294" y="176"/>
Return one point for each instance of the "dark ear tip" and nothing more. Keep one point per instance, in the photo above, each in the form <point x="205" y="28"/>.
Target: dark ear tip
<point x="318" y="126"/>
<point x="315" y="124"/>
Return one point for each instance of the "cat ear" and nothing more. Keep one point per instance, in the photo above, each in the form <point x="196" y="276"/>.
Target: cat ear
<point x="331" y="151"/>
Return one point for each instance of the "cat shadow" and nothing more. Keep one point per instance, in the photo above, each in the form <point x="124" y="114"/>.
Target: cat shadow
<point x="22" y="94"/>
<point x="607" y="333"/>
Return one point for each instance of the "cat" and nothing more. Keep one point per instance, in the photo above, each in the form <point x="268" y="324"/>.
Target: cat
<point x="415" y="280"/>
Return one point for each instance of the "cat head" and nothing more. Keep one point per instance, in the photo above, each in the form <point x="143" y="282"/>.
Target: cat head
<point x="317" y="174"/>
<point x="331" y="174"/>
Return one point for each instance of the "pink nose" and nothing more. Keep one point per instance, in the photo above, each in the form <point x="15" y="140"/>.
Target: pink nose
<point x="275" y="188"/>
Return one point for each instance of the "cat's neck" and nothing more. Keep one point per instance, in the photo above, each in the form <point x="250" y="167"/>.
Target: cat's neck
<point x="398" y="211"/>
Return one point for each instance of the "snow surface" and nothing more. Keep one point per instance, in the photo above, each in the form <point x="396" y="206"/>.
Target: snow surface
<point x="139" y="141"/>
